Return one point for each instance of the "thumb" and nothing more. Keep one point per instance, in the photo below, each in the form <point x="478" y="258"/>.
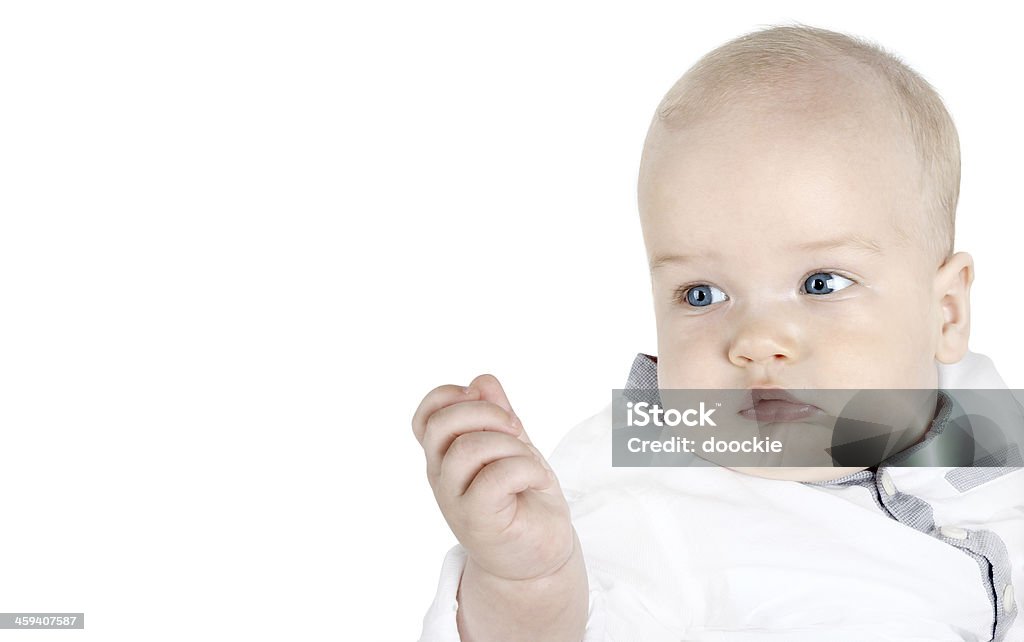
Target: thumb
<point x="490" y="390"/>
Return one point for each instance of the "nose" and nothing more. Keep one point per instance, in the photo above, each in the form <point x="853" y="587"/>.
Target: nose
<point x="763" y="341"/>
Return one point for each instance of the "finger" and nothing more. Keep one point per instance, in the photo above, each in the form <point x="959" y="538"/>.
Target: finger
<point x="536" y="452"/>
<point x="491" y="390"/>
<point x="439" y="397"/>
<point x="451" y="421"/>
<point x="470" y="452"/>
<point x="495" y="486"/>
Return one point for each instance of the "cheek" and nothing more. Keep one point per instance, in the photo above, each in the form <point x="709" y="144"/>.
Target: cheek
<point x="896" y="318"/>
<point x="880" y="341"/>
<point x="689" y="353"/>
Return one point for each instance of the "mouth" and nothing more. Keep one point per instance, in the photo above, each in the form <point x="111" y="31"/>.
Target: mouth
<point x="776" y="404"/>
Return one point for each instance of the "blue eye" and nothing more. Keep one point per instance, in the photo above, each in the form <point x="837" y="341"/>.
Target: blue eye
<point x="825" y="283"/>
<point x="700" y="296"/>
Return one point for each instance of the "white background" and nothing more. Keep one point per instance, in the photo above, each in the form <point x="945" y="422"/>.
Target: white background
<point x="240" y="241"/>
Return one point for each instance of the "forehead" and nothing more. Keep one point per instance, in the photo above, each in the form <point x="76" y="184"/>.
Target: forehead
<point x="756" y="175"/>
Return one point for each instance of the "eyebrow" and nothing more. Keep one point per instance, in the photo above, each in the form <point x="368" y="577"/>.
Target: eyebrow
<point x="845" y="242"/>
<point x="849" y="242"/>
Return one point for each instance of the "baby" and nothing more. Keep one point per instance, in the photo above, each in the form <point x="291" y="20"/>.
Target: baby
<point x="797" y="193"/>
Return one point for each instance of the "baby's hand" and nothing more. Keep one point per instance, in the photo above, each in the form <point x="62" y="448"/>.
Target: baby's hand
<point x="495" y="489"/>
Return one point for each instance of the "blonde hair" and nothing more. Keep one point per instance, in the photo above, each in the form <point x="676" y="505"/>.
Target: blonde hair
<point x="786" y="61"/>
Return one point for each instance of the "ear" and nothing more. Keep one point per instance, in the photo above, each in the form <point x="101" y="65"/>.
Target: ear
<point x="953" y="295"/>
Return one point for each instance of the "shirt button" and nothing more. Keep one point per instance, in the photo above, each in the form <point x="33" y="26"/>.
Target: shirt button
<point x="953" y="532"/>
<point x="1008" y="603"/>
<point x="890" y="488"/>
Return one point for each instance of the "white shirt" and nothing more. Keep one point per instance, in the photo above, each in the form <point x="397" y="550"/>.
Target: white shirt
<point x="713" y="554"/>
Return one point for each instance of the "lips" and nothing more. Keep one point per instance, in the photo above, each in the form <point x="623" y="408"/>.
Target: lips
<point x="776" y="404"/>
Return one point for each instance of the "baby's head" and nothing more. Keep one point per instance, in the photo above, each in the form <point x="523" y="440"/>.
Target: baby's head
<point x="797" y="194"/>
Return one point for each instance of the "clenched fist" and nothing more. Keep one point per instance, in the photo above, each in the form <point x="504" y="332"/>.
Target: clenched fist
<point x="496" y="491"/>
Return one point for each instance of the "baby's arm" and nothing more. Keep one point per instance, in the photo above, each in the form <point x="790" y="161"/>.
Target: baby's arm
<point x="524" y="576"/>
<point x="552" y="608"/>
